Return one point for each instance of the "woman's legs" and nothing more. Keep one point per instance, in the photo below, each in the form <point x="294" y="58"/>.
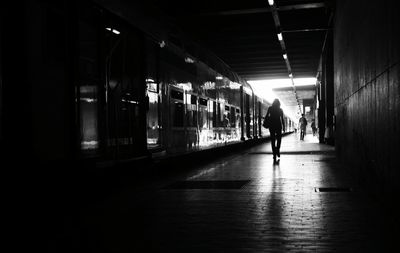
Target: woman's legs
<point x="273" y="138"/>
<point x="276" y="135"/>
<point x="278" y="142"/>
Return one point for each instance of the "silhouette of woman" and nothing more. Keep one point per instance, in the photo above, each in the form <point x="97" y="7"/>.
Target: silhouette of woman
<point x="277" y="123"/>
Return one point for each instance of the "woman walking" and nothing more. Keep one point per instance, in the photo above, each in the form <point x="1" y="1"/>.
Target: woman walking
<point x="276" y="124"/>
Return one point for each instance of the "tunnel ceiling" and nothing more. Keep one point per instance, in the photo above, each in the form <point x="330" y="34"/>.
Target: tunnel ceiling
<point x="244" y="35"/>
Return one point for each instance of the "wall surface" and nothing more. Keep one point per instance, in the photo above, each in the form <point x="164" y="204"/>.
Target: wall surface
<point x="367" y="94"/>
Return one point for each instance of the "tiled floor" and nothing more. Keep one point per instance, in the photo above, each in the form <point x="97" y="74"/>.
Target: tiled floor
<point x="278" y="210"/>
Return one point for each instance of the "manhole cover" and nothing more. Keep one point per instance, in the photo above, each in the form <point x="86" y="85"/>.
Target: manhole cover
<point x="333" y="189"/>
<point x="236" y="184"/>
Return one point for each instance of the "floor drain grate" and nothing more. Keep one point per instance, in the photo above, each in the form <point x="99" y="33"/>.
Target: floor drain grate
<point x="333" y="189"/>
<point x="236" y="184"/>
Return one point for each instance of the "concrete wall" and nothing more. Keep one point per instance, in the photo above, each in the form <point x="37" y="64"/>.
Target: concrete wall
<point x="367" y="94"/>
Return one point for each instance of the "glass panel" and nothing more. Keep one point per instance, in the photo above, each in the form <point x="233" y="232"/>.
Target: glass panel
<point x="154" y="96"/>
<point x="89" y="79"/>
<point x="238" y="118"/>
<point x="214" y="114"/>
<point x="88" y="117"/>
<point x="203" y="113"/>
<point x="232" y="117"/>
<point x="219" y="116"/>
<point x="191" y="113"/>
<point x="176" y="94"/>
<point x="193" y="100"/>
<point x="177" y="114"/>
<point x="153" y="133"/>
<point x="124" y="93"/>
<point x="226" y="116"/>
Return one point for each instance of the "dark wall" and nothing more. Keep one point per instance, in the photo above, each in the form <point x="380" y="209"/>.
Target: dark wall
<point x="37" y="91"/>
<point x="367" y="94"/>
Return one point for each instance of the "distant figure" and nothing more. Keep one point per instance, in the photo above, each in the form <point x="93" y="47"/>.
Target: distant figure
<point x="314" y="129"/>
<point x="277" y="123"/>
<point x="303" y="126"/>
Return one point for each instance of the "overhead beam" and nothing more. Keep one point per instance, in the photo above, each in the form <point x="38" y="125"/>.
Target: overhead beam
<point x="265" y="10"/>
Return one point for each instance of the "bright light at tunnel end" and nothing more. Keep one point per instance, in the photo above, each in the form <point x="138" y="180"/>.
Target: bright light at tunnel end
<point x="284" y="82"/>
<point x="264" y="89"/>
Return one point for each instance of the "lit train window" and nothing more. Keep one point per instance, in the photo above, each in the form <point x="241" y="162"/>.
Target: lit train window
<point x="177" y="94"/>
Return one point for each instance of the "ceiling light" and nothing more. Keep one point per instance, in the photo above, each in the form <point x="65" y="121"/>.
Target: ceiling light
<point x="280" y="36"/>
<point x="189" y="60"/>
<point x="271" y="2"/>
<point x="162" y="44"/>
<point x="285" y="56"/>
<point x="112" y="30"/>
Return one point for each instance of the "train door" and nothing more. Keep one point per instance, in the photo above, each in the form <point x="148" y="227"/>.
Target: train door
<point x="154" y="98"/>
<point x="203" y="122"/>
<point x="255" y="117"/>
<point x="153" y="115"/>
<point x="89" y="81"/>
<point x="259" y="118"/>
<point x="203" y="114"/>
<point x="247" y="115"/>
<point x="191" y="121"/>
<point x="176" y="133"/>
<point x="125" y="91"/>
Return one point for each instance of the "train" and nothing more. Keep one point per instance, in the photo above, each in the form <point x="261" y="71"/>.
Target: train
<point x="127" y="92"/>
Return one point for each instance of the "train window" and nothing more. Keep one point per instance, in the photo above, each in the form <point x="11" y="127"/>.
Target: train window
<point x="89" y="96"/>
<point x="203" y="117"/>
<point x="151" y="85"/>
<point x="153" y="111"/>
<point x="177" y="114"/>
<point x="193" y="100"/>
<point x="232" y="117"/>
<point x="225" y="120"/>
<point x="219" y="115"/>
<point x="153" y="127"/>
<point x="226" y="108"/>
<point x="237" y="110"/>
<point x="177" y="94"/>
<point x="88" y="117"/>
<point x="214" y="114"/>
<point x="194" y="119"/>
<point x="203" y="101"/>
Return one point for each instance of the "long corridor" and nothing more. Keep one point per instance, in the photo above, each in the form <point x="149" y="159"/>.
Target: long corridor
<point x="241" y="203"/>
